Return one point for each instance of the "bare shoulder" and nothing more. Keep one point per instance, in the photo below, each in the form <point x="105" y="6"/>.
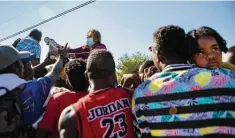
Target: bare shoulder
<point x="68" y="124"/>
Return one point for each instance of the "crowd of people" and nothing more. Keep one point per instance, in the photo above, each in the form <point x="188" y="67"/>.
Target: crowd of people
<point x="186" y="90"/>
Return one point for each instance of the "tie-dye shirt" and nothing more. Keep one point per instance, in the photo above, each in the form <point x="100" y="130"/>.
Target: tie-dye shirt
<point x="186" y="101"/>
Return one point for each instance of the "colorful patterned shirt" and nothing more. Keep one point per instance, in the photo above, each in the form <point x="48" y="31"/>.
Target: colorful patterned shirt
<point x="186" y="101"/>
<point x="31" y="45"/>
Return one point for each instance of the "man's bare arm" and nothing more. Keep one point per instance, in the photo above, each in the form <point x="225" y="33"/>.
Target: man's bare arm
<point x="55" y="72"/>
<point x="67" y="124"/>
<point x="35" y="62"/>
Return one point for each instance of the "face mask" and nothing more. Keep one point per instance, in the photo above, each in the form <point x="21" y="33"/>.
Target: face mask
<point x="90" y="42"/>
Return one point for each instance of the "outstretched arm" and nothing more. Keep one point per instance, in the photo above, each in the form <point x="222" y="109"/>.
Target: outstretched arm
<point x="35" y="61"/>
<point x="55" y="72"/>
<point x="42" y="67"/>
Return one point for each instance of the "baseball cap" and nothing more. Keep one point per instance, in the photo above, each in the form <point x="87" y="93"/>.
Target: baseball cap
<point x="9" y="55"/>
<point x="27" y="56"/>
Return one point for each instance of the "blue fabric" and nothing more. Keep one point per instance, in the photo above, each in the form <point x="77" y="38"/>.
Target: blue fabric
<point x="31" y="45"/>
<point x="33" y="98"/>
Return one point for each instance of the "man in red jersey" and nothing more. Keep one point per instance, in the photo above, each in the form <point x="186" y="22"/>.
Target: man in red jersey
<point x="75" y="74"/>
<point x="106" y="111"/>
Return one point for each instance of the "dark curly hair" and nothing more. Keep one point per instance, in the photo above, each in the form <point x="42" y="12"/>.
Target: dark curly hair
<point x="36" y="34"/>
<point x="100" y="64"/>
<point x="169" y="42"/>
<point x="75" y="70"/>
<point x="145" y="64"/>
<point x="194" y="35"/>
<point x="232" y="57"/>
<point x="231" y="49"/>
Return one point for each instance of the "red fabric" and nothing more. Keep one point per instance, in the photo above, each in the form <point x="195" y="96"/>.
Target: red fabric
<point x="55" y="106"/>
<point x="121" y="117"/>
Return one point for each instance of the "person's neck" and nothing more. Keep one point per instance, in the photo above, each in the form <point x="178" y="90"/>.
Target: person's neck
<point x="75" y="90"/>
<point x="99" y="84"/>
<point x="163" y="65"/>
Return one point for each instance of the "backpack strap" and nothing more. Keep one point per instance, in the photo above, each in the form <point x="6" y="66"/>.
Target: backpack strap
<point x="16" y="93"/>
<point x="13" y="96"/>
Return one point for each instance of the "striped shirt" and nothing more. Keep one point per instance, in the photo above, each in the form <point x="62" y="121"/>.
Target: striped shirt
<point x="186" y="101"/>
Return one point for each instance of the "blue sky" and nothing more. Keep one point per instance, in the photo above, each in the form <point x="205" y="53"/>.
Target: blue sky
<point x="126" y="26"/>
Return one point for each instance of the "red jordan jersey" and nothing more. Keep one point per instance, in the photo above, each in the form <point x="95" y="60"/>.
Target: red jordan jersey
<point x="105" y="114"/>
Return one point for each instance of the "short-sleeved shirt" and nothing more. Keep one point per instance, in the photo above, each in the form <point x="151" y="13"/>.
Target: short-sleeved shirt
<point x="104" y="114"/>
<point x="31" y="45"/>
<point x="55" y="106"/>
<point x="33" y="97"/>
<point x="186" y="101"/>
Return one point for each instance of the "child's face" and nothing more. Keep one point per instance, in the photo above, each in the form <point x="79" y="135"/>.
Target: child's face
<point x="210" y="55"/>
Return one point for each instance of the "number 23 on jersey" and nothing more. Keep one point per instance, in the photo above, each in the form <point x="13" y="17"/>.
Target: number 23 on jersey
<point x="118" y="120"/>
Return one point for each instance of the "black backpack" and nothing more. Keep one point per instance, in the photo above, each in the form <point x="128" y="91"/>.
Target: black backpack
<point x="11" y="125"/>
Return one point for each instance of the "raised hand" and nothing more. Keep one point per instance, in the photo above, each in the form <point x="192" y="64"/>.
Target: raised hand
<point x="63" y="51"/>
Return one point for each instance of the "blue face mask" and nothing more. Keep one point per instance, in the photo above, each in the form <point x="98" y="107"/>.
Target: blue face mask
<point x="90" y="41"/>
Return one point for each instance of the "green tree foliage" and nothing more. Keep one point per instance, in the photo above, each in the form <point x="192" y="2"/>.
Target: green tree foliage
<point x="130" y="63"/>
